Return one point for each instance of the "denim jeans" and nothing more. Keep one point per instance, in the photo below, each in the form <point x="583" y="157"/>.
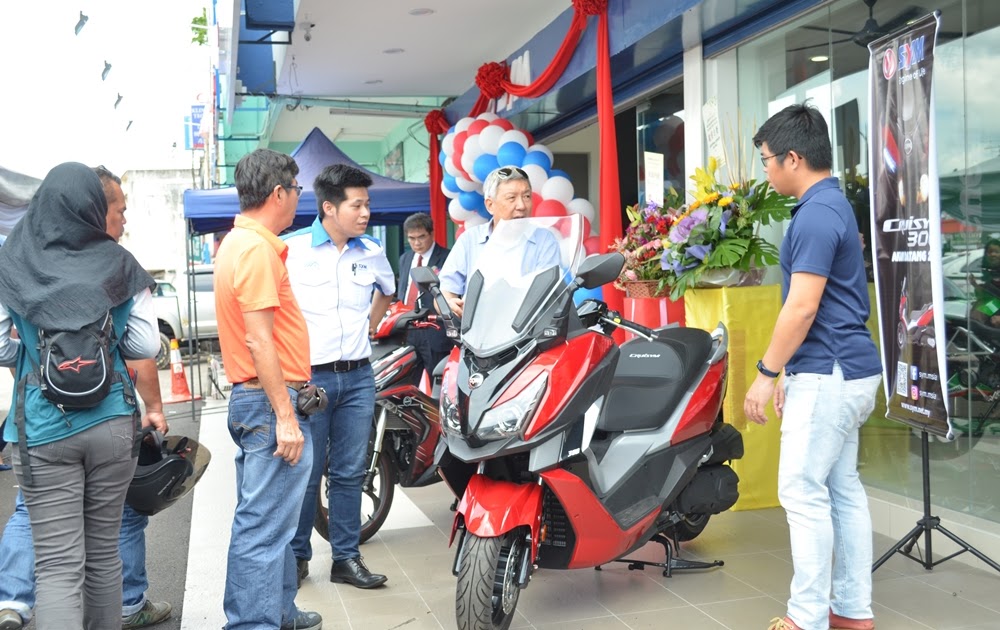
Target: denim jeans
<point x="819" y="487"/>
<point x="17" y="562"/>
<point x="75" y="507"/>
<point x="261" y="579"/>
<point x="343" y="431"/>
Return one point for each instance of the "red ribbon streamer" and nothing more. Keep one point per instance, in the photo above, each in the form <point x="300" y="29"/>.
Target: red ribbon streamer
<point x="436" y="124"/>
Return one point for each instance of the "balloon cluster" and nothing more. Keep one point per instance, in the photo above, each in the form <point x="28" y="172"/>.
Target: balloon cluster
<point x="476" y="146"/>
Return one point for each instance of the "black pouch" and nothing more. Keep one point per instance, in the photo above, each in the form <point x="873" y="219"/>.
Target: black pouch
<point x="311" y="399"/>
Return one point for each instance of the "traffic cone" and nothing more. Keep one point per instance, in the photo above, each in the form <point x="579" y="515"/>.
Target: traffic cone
<point x="179" y="391"/>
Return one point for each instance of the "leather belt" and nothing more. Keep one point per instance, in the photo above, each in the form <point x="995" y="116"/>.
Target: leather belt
<point x="340" y="366"/>
<point x="254" y="383"/>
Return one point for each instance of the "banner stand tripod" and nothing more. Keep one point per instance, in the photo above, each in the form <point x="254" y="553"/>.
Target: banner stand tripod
<point x="928" y="523"/>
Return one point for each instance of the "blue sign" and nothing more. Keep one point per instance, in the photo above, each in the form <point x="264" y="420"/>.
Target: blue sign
<point x="192" y="128"/>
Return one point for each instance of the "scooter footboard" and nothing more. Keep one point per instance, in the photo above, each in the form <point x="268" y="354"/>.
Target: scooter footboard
<point x="491" y="508"/>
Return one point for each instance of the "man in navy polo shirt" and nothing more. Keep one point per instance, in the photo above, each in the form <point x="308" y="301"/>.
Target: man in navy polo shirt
<point x="832" y="371"/>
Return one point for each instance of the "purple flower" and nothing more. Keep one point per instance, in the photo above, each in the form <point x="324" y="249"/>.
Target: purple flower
<point x="700" y="216"/>
<point x="725" y="221"/>
<point x="682" y="230"/>
<point x="669" y="263"/>
<point x="699" y="251"/>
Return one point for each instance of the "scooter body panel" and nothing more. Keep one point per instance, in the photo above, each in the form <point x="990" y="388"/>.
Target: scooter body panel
<point x="491" y="508"/>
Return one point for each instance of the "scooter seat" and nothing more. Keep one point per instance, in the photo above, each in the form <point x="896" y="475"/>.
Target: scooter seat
<point x="652" y="377"/>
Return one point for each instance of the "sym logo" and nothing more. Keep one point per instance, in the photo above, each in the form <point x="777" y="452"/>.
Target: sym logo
<point x="889" y="62"/>
<point x="475" y="380"/>
<point x="644" y="356"/>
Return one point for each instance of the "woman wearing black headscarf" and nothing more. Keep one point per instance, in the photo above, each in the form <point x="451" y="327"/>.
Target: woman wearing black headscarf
<point x="59" y="270"/>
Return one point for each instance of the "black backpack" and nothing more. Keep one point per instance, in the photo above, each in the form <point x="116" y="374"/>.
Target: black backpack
<point x="76" y="369"/>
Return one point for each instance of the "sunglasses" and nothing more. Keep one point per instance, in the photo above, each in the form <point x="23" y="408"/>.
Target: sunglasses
<point x="508" y="171"/>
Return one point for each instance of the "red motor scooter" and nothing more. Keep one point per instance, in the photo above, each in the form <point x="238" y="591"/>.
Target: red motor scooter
<point x="567" y="451"/>
<point x="405" y="426"/>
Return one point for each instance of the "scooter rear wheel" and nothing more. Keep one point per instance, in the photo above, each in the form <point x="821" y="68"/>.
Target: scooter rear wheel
<point x="690" y="528"/>
<point x="487" y="591"/>
<point x="375" y="501"/>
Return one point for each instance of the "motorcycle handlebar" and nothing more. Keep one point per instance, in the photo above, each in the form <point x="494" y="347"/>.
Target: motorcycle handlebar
<point x="638" y="330"/>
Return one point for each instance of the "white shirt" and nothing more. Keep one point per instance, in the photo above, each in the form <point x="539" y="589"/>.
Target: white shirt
<point x="334" y="290"/>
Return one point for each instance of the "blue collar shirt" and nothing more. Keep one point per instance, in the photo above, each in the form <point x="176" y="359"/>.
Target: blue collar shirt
<point x="334" y="289"/>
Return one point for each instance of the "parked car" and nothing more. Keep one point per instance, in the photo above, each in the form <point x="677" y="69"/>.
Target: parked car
<point x="172" y="312"/>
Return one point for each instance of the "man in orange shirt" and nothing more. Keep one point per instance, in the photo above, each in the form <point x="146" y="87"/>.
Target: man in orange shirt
<point x="265" y="348"/>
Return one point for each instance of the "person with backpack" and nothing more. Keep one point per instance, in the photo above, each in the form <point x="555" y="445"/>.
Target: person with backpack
<point x="17" y="552"/>
<point x="81" y="304"/>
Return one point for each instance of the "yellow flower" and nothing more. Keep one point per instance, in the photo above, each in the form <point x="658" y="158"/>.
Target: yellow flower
<point x="709" y="198"/>
<point x="691" y="208"/>
<point x="725" y="201"/>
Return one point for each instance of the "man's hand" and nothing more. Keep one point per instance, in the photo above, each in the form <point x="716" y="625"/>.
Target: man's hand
<point x="157" y="420"/>
<point x="758" y="395"/>
<point x="290" y="439"/>
<point x="456" y="304"/>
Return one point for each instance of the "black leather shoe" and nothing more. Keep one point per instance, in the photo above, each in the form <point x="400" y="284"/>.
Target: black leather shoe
<point x="354" y="572"/>
<point x="302" y="566"/>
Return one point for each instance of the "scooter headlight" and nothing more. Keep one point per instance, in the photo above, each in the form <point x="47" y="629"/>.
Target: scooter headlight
<point x="507" y="419"/>
<point x="451" y="419"/>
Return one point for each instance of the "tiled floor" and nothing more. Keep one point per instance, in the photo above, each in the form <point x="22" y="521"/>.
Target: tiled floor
<point x="744" y="594"/>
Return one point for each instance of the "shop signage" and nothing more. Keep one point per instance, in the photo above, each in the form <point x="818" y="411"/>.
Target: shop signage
<point x="906" y="226"/>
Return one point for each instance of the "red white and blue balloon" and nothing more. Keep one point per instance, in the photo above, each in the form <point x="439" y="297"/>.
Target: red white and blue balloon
<point x="475" y="146"/>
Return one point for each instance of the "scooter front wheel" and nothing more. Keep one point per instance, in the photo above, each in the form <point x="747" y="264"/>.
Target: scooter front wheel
<point x="487" y="590"/>
<point x="375" y="500"/>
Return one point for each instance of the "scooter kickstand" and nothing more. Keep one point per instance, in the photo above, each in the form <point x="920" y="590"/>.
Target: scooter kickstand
<point x="675" y="563"/>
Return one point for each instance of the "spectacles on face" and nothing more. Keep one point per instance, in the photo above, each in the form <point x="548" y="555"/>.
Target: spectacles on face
<point x="765" y="158"/>
<point x="296" y="188"/>
<point x="507" y="172"/>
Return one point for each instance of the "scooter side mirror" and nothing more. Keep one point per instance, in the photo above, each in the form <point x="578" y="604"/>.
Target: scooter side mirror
<point x="597" y="271"/>
<point x="428" y="280"/>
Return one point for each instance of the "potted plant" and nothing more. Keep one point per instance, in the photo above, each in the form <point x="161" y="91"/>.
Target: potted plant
<point x="642" y="245"/>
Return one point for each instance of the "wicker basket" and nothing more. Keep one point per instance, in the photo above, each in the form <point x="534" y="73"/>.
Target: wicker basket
<point x="645" y="289"/>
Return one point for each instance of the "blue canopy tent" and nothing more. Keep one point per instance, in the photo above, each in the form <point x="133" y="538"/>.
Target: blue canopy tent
<point x="392" y="201"/>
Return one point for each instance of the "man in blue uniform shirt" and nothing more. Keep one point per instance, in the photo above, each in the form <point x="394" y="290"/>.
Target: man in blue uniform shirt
<point x="832" y="371"/>
<point x="343" y="283"/>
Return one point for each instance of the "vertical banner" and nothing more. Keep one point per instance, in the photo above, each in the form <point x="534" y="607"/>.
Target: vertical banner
<point x="906" y="226"/>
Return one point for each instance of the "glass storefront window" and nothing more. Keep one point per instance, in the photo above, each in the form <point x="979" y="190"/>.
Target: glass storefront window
<point x="659" y="128"/>
<point x="823" y="56"/>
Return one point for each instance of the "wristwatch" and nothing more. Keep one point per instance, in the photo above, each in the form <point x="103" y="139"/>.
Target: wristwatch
<point x="763" y="370"/>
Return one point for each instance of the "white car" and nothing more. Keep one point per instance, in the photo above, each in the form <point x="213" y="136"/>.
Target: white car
<point x="173" y="315"/>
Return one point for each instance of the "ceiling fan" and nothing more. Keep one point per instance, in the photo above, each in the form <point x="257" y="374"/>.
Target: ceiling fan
<point x="872" y="30"/>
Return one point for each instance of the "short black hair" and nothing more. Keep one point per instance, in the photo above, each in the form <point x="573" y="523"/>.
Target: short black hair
<point x="258" y="173"/>
<point x="800" y="128"/>
<point x="106" y="176"/>
<point x="333" y="180"/>
<point x="418" y="221"/>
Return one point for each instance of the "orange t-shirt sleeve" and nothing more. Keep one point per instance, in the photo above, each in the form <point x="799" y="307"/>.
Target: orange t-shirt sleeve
<point x="256" y="278"/>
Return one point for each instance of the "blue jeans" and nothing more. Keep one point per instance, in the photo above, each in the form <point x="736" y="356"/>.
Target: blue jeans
<point x="818" y="485"/>
<point x="261" y="579"/>
<point x="342" y="431"/>
<point x="17" y="562"/>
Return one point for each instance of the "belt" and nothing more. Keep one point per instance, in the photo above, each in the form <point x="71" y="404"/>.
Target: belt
<point x="254" y="383"/>
<point x="340" y="366"/>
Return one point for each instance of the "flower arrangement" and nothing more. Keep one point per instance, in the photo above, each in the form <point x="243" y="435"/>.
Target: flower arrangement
<point x="683" y="246"/>
<point x="643" y="241"/>
<point x="719" y="230"/>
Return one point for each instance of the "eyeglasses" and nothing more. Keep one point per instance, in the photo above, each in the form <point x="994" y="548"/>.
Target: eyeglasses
<point x="765" y="158"/>
<point x="296" y="188"/>
<point x="508" y="171"/>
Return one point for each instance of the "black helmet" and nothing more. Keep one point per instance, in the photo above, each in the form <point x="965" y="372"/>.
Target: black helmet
<point x="167" y="470"/>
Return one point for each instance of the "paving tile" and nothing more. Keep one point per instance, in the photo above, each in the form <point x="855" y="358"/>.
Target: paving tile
<point x="623" y="591"/>
<point x="408" y="611"/>
<point x="751" y="613"/>
<point x="684" y="617"/>
<point x="929" y="605"/>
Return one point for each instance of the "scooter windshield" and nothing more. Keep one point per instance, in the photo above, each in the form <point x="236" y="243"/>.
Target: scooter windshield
<point x="524" y="266"/>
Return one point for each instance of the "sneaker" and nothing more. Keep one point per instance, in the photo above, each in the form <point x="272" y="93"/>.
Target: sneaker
<point x="305" y="620"/>
<point x="151" y="613"/>
<point x="783" y="623"/>
<point x="10" y="620"/>
<point x="846" y="623"/>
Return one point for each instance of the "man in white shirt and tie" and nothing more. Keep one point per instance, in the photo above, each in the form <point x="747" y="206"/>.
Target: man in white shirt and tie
<point x="431" y="343"/>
